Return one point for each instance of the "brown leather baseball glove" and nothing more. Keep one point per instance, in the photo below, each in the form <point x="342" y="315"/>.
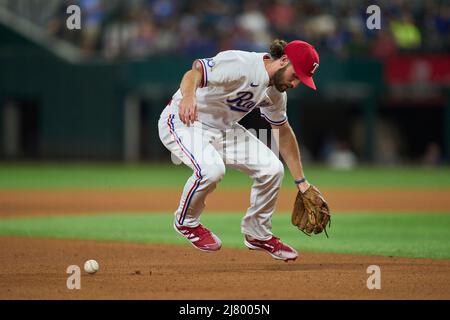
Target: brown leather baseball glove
<point x="311" y="213"/>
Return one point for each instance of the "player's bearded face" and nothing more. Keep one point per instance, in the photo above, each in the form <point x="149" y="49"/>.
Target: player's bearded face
<point x="280" y="79"/>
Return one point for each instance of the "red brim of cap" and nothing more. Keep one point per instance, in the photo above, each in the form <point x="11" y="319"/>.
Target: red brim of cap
<point x="308" y="81"/>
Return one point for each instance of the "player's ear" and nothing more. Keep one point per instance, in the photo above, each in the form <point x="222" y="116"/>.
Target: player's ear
<point x="284" y="61"/>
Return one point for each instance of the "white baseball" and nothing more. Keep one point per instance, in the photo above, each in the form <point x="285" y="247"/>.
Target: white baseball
<point x="91" y="266"/>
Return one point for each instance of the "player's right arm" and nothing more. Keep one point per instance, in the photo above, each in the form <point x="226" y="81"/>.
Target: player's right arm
<point x="187" y="109"/>
<point x="223" y="70"/>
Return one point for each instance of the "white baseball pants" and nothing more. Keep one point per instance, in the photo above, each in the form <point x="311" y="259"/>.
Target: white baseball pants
<point x="207" y="151"/>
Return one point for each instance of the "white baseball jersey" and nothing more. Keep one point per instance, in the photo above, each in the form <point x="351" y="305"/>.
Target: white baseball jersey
<point x="234" y="83"/>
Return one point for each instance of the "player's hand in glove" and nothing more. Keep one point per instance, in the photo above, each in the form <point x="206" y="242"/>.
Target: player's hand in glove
<point x="311" y="213"/>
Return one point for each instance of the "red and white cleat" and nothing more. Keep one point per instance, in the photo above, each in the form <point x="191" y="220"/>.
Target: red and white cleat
<point x="200" y="237"/>
<point x="273" y="246"/>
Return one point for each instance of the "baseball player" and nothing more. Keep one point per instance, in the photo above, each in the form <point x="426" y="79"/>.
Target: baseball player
<point x="196" y="125"/>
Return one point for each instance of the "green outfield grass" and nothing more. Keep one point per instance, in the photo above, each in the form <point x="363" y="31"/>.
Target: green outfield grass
<point x="89" y="176"/>
<point x="407" y="235"/>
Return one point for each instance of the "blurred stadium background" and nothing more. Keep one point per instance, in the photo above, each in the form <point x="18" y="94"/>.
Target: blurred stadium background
<point x="96" y="93"/>
<point x="80" y="156"/>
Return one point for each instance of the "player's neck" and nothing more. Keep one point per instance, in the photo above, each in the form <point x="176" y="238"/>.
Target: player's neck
<point x="271" y="68"/>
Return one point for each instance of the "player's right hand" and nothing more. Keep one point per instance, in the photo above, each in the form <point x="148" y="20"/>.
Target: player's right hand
<point x="187" y="110"/>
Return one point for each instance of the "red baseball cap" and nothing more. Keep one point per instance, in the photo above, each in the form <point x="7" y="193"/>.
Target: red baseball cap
<point x="305" y="60"/>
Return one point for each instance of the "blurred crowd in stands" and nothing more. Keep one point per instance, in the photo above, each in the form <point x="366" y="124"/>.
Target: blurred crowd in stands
<point x="139" y="28"/>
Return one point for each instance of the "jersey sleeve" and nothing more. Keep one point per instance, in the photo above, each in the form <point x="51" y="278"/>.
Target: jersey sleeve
<point x="221" y="70"/>
<point x="276" y="113"/>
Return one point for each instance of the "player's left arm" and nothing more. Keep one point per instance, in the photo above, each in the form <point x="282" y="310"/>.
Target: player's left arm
<point x="290" y="151"/>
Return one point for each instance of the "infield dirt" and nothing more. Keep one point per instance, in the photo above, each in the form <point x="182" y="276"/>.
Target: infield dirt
<point x="36" y="269"/>
<point x="32" y="268"/>
<point x="51" y="202"/>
